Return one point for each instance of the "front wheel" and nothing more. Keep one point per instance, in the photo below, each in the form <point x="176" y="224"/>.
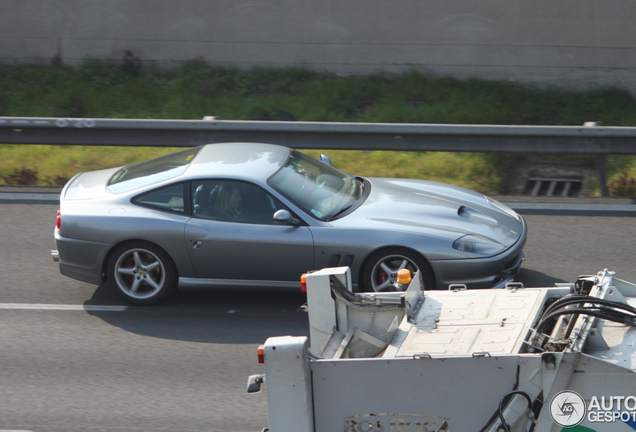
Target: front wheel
<point x="379" y="273"/>
<point x="142" y="273"/>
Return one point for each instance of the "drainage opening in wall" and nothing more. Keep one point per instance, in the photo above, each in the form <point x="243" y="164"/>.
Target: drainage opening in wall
<point x="552" y="187"/>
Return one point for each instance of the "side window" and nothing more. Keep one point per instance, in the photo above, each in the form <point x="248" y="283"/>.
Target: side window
<point x="169" y="198"/>
<point x="233" y="201"/>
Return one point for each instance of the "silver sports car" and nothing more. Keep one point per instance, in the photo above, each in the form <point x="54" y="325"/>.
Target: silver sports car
<point x="262" y="215"/>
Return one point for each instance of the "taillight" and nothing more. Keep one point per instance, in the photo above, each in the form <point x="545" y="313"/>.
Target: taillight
<point x="58" y="220"/>
<point x="261" y="354"/>
<point x="303" y="282"/>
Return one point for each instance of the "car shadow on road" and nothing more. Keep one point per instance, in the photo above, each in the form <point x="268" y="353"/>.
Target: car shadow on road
<point x="211" y="315"/>
<point x="228" y="315"/>
<point x="534" y="279"/>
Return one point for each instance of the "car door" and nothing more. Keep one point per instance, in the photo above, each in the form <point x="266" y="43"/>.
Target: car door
<point x="241" y="242"/>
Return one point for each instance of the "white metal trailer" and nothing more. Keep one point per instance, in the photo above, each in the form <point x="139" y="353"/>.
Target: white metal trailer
<point x="515" y="359"/>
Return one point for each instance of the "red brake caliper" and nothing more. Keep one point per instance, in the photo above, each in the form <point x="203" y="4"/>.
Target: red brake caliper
<point x="382" y="276"/>
<point x="129" y="263"/>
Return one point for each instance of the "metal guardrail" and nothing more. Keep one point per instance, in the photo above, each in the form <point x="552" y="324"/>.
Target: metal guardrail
<point x="590" y="138"/>
<point x="315" y="135"/>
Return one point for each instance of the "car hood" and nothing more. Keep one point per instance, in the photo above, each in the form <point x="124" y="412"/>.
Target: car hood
<point x="435" y="209"/>
<point x="88" y="185"/>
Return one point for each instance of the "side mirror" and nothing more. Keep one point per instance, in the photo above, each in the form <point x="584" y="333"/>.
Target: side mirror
<point x="284" y="216"/>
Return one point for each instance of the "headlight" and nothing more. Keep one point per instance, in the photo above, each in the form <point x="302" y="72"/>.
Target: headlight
<point x="502" y="207"/>
<point x="478" y="244"/>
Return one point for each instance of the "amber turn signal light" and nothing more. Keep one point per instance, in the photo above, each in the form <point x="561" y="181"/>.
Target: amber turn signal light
<point x="404" y="276"/>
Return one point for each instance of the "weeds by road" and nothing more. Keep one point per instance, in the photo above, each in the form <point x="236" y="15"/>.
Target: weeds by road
<point x="99" y="89"/>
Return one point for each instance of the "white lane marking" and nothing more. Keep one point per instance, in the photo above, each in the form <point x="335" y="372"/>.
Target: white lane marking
<point x="62" y="307"/>
<point x="15" y="430"/>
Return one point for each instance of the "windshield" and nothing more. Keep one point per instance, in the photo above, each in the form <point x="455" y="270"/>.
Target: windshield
<point x="319" y="189"/>
<point x="153" y="171"/>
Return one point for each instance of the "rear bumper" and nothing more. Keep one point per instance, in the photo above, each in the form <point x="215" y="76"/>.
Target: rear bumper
<point x="79" y="259"/>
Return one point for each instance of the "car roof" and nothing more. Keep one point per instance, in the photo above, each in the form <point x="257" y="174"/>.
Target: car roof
<point x="253" y="161"/>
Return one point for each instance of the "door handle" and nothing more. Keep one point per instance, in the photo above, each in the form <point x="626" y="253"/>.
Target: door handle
<point x="197" y="244"/>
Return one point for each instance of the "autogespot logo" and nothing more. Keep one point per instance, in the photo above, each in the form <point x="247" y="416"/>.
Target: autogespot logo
<point x="567" y="409"/>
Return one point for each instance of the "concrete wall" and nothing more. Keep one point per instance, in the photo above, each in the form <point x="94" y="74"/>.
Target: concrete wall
<point x="580" y="43"/>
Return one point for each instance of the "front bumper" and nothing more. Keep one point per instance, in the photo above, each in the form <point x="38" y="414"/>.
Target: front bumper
<point x="488" y="272"/>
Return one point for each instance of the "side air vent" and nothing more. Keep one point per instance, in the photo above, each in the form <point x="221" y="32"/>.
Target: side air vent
<point x="340" y="260"/>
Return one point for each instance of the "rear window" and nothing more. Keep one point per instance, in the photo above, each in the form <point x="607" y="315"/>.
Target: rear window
<point x="169" y="198"/>
<point x="153" y="171"/>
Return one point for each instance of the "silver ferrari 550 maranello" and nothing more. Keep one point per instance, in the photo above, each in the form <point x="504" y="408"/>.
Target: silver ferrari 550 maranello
<point x="262" y="215"/>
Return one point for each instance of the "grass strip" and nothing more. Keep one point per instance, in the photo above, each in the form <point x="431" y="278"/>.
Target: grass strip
<point x="99" y="89"/>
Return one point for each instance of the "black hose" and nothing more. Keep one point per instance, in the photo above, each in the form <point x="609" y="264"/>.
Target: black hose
<point x="599" y="312"/>
<point x="503" y="401"/>
<point x="574" y="299"/>
<point x="495" y="414"/>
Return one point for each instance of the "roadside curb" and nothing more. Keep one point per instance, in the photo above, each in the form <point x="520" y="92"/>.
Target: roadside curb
<point x="567" y="209"/>
<point x="619" y="207"/>
<point x="29" y="198"/>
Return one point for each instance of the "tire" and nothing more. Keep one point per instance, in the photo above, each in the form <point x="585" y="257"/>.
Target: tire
<point x="380" y="269"/>
<point x="142" y="273"/>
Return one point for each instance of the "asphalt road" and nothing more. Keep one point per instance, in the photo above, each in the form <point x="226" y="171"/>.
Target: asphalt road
<point x="183" y="366"/>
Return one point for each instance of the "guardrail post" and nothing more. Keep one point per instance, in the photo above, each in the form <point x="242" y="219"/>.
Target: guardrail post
<point x="600" y="162"/>
<point x="602" y="176"/>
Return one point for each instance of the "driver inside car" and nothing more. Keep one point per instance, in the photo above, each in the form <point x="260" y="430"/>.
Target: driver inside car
<point x="227" y="201"/>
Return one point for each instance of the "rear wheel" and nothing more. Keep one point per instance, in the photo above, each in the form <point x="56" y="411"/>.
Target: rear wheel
<point x="142" y="273"/>
<point x="379" y="273"/>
